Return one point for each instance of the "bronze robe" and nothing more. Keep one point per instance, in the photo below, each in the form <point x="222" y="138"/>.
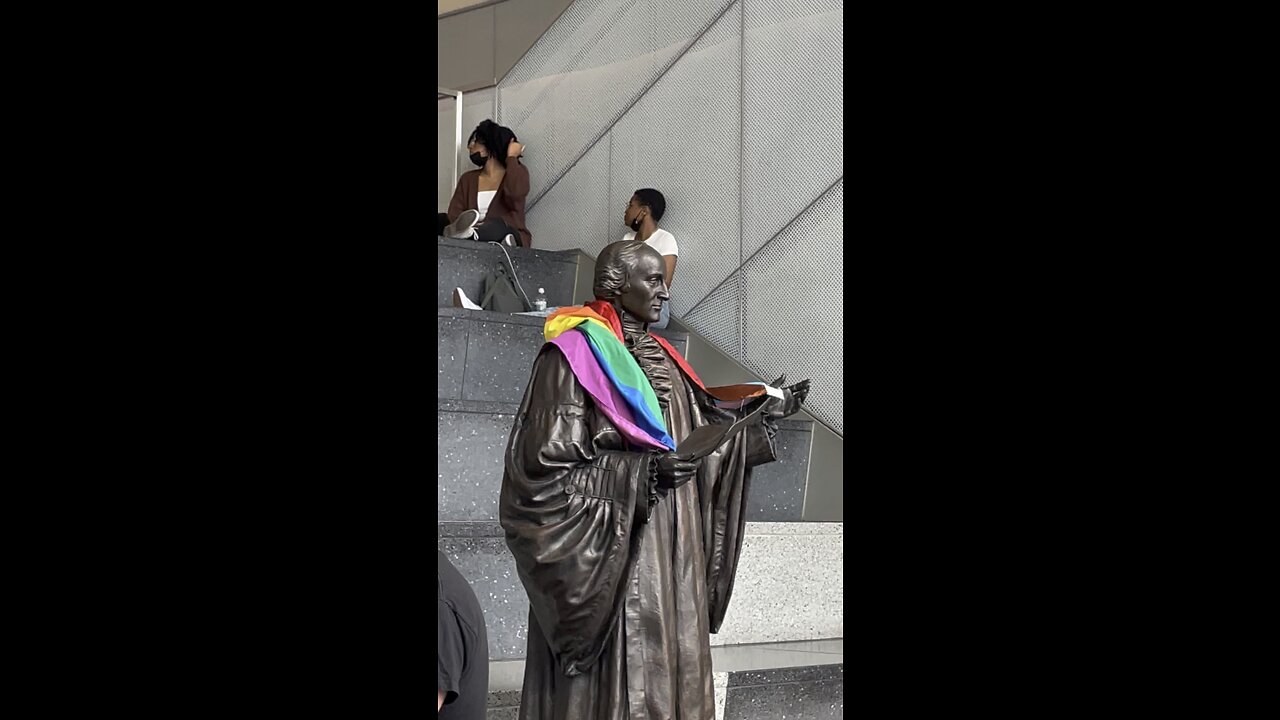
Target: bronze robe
<point x="625" y="581"/>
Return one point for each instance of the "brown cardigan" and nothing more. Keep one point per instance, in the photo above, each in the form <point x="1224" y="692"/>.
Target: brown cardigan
<point x="508" y="204"/>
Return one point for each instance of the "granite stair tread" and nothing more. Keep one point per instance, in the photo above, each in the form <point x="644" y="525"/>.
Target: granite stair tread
<point x="803" y="679"/>
<point x="466" y="263"/>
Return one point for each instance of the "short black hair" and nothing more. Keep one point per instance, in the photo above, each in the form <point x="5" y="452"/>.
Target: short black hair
<point x="495" y="138"/>
<point x="653" y="200"/>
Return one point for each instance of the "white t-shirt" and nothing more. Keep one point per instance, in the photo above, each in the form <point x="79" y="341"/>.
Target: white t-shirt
<point x="661" y="240"/>
<point x="483" y="199"/>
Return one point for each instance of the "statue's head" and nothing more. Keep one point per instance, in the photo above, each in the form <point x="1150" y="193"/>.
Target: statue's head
<point x="632" y="276"/>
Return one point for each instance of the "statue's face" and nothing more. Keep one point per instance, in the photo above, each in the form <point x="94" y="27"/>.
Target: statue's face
<point x="646" y="287"/>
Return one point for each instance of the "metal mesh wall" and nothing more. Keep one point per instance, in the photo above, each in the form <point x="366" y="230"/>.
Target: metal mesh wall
<point x="792" y="110"/>
<point x="573" y="215"/>
<point x="718" y="318"/>
<point x="593" y="63"/>
<point x="733" y="111"/>
<point x="800" y="268"/>
<point x="688" y="116"/>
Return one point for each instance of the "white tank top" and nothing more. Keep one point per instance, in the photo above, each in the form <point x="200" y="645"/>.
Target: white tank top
<point x="483" y="199"/>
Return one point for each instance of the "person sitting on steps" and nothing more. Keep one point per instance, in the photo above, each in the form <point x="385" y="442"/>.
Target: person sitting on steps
<point x="646" y="208"/>
<point x="488" y="204"/>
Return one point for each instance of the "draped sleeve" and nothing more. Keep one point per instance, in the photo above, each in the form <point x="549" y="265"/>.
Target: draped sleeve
<point x="573" y="505"/>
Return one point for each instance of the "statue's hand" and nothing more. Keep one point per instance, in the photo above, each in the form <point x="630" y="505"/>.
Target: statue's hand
<point x="674" y="472"/>
<point x="793" y="398"/>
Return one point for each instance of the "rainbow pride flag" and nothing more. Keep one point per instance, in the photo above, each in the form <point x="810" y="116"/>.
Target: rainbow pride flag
<point x="590" y="337"/>
<point x="608" y="373"/>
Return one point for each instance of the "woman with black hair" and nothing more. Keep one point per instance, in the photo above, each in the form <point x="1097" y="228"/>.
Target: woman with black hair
<point x="488" y="204"/>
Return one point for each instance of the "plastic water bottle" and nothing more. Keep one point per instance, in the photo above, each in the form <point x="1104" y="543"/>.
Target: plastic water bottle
<point x="540" y="302"/>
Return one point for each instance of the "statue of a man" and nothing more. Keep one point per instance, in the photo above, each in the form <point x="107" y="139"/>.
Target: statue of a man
<point x="626" y="548"/>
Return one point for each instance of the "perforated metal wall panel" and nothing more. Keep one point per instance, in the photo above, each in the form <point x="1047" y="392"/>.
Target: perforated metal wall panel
<point x="792" y="112"/>
<point x="688" y="118"/>
<point x="584" y="82"/>
<point x="801" y="271"/>
<point x="733" y="111"/>
<point x="718" y="318"/>
<point x="573" y="215"/>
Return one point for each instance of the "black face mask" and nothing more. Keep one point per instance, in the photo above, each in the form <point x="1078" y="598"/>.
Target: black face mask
<point x="635" y="224"/>
<point x="475" y="158"/>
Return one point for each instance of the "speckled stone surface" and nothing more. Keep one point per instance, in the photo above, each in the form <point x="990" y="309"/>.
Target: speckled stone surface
<point x="757" y="691"/>
<point x="777" y="488"/>
<point x="484" y="355"/>
<point x="471" y="438"/>
<point x="775" y="598"/>
<point x="451" y="356"/>
<point x="499" y="360"/>
<point x="466" y="263"/>
<point x="793" y="653"/>
<point x="502" y="704"/>
<point x="467" y="529"/>
<point x="720" y="682"/>
<point x="794" y="693"/>
<point x="490" y="316"/>
<point x="487" y="564"/>
<point x="808" y="673"/>
<point x="789" y="586"/>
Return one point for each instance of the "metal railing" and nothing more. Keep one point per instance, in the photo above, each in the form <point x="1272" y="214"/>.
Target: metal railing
<point x="442" y="93"/>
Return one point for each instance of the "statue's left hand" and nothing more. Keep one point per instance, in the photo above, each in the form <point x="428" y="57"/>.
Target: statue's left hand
<point x="793" y="398"/>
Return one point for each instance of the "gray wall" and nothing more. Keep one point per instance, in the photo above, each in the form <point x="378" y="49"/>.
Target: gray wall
<point x="476" y="47"/>
<point x="734" y="110"/>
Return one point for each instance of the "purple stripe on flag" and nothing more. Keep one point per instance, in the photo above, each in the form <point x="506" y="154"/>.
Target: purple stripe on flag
<point x="587" y="369"/>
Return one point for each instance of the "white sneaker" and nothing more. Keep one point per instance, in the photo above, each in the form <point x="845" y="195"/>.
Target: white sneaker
<point x="460" y="300"/>
<point x="461" y="228"/>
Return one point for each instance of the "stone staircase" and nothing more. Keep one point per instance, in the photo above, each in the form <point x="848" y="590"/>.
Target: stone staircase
<point x="788" y="595"/>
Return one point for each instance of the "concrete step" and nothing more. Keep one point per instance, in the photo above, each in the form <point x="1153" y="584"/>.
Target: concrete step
<point x="790" y="584"/>
<point x="466" y="263"/>
<point x="488" y="356"/>
<point x="484" y="361"/>
<point x="472" y="435"/>
<point x="772" y="680"/>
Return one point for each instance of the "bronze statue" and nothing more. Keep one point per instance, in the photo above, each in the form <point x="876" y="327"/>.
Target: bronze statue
<point x="626" y="546"/>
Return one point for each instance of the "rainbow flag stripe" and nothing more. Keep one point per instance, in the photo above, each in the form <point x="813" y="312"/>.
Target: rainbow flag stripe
<point x="613" y="378"/>
<point x="590" y="337"/>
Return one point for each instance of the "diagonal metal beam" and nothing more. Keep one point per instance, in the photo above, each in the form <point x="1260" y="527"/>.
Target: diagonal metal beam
<point x="684" y="51"/>
<point x="766" y="243"/>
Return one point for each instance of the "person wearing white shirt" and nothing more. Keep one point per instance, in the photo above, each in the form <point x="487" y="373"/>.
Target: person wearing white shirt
<point x="644" y="211"/>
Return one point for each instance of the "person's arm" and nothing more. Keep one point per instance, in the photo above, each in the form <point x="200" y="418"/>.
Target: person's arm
<point x="458" y="203"/>
<point x="515" y="184"/>
<point x="665" y="243"/>
<point x="671" y="267"/>
<point x="450" y="654"/>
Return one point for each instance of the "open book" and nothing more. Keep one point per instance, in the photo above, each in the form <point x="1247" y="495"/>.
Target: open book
<point x="704" y="440"/>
